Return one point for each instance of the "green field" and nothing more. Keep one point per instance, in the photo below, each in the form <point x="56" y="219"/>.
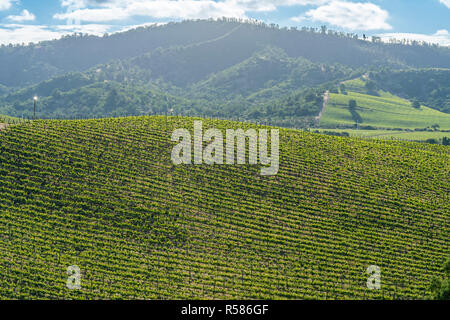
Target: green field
<point x="392" y="134"/>
<point x="381" y="111"/>
<point x="356" y="85"/>
<point x="104" y="195"/>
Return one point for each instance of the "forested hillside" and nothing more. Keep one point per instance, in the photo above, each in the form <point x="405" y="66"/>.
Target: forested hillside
<point x="26" y="65"/>
<point x="430" y="87"/>
<point x="267" y="85"/>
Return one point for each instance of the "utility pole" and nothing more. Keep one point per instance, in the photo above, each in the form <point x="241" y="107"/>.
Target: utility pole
<point x="34" y="109"/>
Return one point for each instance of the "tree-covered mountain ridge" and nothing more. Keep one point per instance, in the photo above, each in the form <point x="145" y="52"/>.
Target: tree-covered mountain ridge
<point x="30" y="64"/>
<point x="229" y="69"/>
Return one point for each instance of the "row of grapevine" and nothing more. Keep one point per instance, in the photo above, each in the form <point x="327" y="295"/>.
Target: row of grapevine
<point x="105" y="196"/>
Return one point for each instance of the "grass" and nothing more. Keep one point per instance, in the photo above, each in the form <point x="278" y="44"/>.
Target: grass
<point x="105" y="196"/>
<point x="392" y="134"/>
<point x="384" y="111"/>
<point x="356" y="85"/>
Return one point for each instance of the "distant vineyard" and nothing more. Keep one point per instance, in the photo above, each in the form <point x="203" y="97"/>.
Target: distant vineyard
<point x="104" y="195"/>
<point x="383" y="111"/>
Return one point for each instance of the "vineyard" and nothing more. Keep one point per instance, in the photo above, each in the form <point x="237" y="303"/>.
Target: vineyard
<point x="392" y="134"/>
<point x="378" y="110"/>
<point x="104" y="195"/>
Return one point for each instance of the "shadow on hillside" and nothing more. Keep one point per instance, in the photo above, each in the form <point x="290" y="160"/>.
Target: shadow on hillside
<point x="355" y="115"/>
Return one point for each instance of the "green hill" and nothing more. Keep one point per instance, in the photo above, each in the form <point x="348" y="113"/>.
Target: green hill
<point x="430" y="87"/>
<point x="379" y="109"/>
<point x="104" y="195"/>
<point x="381" y="112"/>
<point x="226" y="68"/>
<point x="269" y="86"/>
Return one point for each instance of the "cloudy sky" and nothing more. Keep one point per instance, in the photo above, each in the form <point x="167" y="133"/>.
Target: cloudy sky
<point x="23" y="21"/>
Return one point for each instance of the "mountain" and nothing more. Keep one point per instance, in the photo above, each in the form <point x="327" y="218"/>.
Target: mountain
<point x="226" y="42"/>
<point x="3" y="90"/>
<point x="226" y="69"/>
<point x="104" y="196"/>
<point x="255" y="88"/>
<point x="26" y="65"/>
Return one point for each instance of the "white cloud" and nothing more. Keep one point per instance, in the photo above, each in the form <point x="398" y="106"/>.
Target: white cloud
<point x="272" y="5"/>
<point x="25" y="15"/>
<point x="5" y="4"/>
<point x="95" y="12"/>
<point x="441" y="37"/>
<point x="119" y="10"/>
<point x="15" y="33"/>
<point x="340" y="13"/>
<point x="116" y="10"/>
<point x="349" y="15"/>
<point x="18" y="33"/>
<point x="446" y="3"/>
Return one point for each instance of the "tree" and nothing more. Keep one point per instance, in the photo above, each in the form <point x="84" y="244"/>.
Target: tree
<point x="355" y="115"/>
<point x="376" y="39"/>
<point x="371" y="87"/>
<point x="114" y="100"/>
<point x="111" y="100"/>
<point x="446" y="141"/>
<point x="415" y="104"/>
<point x="343" y="88"/>
<point x="56" y="94"/>
<point x="334" y="90"/>
<point x="441" y="286"/>
<point x="435" y="126"/>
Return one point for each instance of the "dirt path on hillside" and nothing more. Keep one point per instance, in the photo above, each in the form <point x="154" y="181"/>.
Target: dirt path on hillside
<point x="229" y="33"/>
<point x="3" y="126"/>
<point x="326" y="98"/>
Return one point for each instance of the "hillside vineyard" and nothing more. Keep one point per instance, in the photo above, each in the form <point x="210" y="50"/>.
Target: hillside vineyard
<point x="104" y="195"/>
<point x="218" y="148"/>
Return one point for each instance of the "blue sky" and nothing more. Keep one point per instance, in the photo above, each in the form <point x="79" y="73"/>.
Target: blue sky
<point x="23" y="21"/>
